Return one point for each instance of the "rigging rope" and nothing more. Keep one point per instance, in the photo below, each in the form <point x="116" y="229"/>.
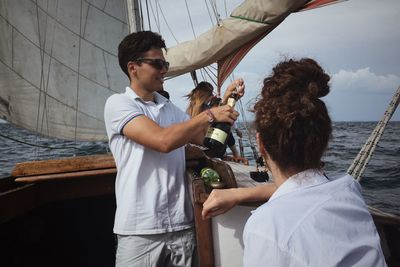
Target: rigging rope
<point x="215" y="10"/>
<point x="157" y="20"/>
<point x="209" y="13"/>
<point x="360" y="162"/>
<point x="41" y="72"/>
<point x="141" y="15"/>
<point x="246" y="126"/>
<point x="226" y="10"/>
<point x="42" y="65"/>
<point x="190" y="19"/>
<point x="79" y="67"/>
<point x="148" y="14"/>
<point x="44" y="86"/>
<point x="252" y="146"/>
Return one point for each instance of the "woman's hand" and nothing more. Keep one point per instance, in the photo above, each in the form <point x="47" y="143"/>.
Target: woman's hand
<point x="222" y="200"/>
<point x="219" y="202"/>
<point x="238" y="86"/>
<point x="239" y="133"/>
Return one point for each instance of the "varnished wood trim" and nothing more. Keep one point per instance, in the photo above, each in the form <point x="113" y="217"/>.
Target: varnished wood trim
<point x="65" y="176"/>
<point x="72" y="164"/>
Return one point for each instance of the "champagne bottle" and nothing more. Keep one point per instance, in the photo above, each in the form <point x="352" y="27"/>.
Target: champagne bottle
<point x="218" y="132"/>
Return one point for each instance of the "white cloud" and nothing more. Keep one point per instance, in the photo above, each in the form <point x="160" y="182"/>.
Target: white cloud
<point x="363" y="80"/>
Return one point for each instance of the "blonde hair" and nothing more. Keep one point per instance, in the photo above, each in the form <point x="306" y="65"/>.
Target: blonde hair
<point x="198" y="98"/>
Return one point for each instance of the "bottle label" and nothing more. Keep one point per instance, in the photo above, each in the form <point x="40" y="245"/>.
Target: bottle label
<point x="231" y="102"/>
<point x="216" y="134"/>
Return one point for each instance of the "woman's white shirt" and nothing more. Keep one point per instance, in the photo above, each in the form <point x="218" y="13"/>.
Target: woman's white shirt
<point x="313" y="221"/>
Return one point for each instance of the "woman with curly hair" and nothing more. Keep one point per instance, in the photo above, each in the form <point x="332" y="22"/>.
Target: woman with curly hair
<point x="310" y="219"/>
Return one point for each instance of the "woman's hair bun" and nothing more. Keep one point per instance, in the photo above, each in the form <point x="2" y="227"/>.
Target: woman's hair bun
<point x="315" y="79"/>
<point x="292" y="120"/>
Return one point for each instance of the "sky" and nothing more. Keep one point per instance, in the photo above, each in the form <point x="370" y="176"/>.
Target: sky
<point x="357" y="42"/>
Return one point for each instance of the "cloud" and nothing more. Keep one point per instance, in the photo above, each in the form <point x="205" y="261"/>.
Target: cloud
<point x="365" y="81"/>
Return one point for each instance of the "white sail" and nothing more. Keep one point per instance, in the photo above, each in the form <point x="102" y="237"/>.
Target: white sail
<point x="58" y="64"/>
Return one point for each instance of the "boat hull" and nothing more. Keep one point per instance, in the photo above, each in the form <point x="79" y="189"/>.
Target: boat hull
<point x="66" y="218"/>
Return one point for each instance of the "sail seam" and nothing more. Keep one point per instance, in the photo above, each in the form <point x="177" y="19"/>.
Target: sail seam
<point x="62" y="25"/>
<point x="29" y="40"/>
<point x="89" y="4"/>
<point x="50" y="96"/>
<point x="79" y="74"/>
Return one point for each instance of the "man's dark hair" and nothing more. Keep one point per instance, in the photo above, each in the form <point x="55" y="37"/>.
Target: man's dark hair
<point x="135" y="44"/>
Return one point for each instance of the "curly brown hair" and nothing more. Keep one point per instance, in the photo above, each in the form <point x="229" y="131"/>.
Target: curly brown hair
<point x="293" y="123"/>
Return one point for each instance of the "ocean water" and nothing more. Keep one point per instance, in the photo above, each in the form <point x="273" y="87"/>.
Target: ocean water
<point x="381" y="179"/>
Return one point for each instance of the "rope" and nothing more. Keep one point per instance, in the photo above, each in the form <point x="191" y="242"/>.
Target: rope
<point x="226" y="10"/>
<point x="156" y="17"/>
<point x="190" y="19"/>
<point x="165" y="21"/>
<point x="148" y="14"/>
<point x="42" y="84"/>
<point x="360" y="162"/>
<point x="252" y="146"/>
<point x="213" y="4"/>
<point x="79" y="68"/>
<point x="249" y="135"/>
<point x="41" y="63"/>
<point x="209" y="13"/>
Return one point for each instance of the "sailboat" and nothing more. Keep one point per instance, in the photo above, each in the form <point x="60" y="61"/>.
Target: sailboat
<point x="58" y="65"/>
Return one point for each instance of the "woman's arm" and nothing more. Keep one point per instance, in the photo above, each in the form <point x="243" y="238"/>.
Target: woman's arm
<point x="222" y="200"/>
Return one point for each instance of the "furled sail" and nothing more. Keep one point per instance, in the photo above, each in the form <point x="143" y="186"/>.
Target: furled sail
<point x="58" y="64"/>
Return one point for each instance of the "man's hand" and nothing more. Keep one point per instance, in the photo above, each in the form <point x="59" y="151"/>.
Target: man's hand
<point x="225" y="114"/>
<point x="238" y="86"/>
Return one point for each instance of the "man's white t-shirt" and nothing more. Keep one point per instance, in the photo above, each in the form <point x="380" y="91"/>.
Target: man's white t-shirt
<point x="150" y="187"/>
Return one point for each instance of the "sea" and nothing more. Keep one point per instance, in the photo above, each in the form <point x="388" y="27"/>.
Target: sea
<point x="380" y="181"/>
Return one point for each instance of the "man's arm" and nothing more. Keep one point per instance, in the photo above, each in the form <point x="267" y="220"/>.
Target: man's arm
<point x="146" y="132"/>
<point x="238" y="86"/>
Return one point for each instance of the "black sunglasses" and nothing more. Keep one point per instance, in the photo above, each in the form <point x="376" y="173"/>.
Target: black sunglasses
<point x="154" y="62"/>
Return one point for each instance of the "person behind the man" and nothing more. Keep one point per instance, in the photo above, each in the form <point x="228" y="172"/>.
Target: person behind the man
<point x="147" y="134"/>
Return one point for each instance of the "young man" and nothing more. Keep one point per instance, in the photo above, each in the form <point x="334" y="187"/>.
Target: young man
<point x="147" y="134"/>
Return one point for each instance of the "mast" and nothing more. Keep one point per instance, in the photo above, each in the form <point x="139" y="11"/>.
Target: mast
<point x="134" y="18"/>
